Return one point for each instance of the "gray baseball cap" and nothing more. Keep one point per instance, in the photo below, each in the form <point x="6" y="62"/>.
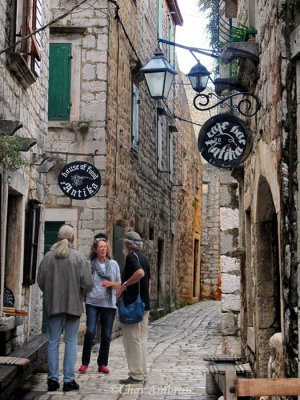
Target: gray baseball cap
<point x="132" y="236"/>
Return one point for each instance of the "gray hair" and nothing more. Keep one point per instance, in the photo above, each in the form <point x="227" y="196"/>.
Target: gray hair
<point x="61" y="248"/>
<point x="134" y="244"/>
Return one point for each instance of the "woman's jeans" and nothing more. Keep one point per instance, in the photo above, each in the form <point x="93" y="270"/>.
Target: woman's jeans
<point x="55" y="326"/>
<point x="107" y="316"/>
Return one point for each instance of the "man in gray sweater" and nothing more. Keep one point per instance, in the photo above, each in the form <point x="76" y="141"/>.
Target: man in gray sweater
<point x="65" y="278"/>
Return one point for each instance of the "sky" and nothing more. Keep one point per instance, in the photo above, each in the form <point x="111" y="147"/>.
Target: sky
<point x="192" y="34"/>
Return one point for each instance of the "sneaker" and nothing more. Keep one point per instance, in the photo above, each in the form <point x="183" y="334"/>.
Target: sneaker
<point x="83" y="369"/>
<point x="52" y="385"/>
<point x="130" y="381"/>
<point x="68" y="386"/>
<point x="102" y="368"/>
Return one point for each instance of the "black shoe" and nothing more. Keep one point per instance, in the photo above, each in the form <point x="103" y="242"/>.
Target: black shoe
<point x="130" y="381"/>
<point x="68" y="386"/>
<point x="52" y="385"/>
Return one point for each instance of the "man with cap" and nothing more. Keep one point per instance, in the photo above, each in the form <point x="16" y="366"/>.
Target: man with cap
<point x="136" y="273"/>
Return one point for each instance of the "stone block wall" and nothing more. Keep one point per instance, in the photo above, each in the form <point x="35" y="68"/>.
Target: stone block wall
<point x="29" y="106"/>
<point x="269" y="191"/>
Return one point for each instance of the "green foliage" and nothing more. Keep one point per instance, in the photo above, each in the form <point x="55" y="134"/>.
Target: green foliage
<point x="212" y="28"/>
<point x="10" y="156"/>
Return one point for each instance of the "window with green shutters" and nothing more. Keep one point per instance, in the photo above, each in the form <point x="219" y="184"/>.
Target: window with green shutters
<point x="135" y="117"/>
<point x="59" y="81"/>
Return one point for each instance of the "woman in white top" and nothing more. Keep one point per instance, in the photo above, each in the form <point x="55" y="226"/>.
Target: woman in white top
<point x="101" y="303"/>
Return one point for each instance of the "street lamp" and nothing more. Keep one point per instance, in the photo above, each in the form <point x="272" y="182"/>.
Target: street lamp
<point x="159" y="75"/>
<point x="198" y="77"/>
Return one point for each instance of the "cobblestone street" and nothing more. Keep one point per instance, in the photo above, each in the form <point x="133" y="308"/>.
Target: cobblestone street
<point x="177" y="343"/>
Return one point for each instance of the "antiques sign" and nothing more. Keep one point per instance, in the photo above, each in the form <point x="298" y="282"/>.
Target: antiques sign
<point x="223" y="141"/>
<point x="79" y="180"/>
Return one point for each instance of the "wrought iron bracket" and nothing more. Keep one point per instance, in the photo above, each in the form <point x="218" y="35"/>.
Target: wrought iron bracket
<point x="247" y="107"/>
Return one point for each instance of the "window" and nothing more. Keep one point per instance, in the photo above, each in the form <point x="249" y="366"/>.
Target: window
<point x="135" y="100"/>
<point x="171" y="39"/>
<point x="171" y="156"/>
<point x="59" y="81"/>
<point x="159" y="140"/>
<point x="32" y="227"/>
<point x="27" y="17"/>
<point x="160" y="19"/>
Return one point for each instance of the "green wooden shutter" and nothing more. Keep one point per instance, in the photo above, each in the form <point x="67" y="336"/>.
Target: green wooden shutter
<point x="171" y="156"/>
<point x="171" y="39"/>
<point x="59" y="81"/>
<point x="159" y="135"/>
<point x="160" y="19"/>
<point x="135" y="117"/>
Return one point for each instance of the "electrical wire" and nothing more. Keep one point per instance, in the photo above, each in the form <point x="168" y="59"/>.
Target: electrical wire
<point x="53" y="21"/>
<point x="172" y="115"/>
<point x="43" y="27"/>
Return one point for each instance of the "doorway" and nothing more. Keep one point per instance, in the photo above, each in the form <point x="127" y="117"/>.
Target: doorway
<point x="160" y="274"/>
<point x="196" y="275"/>
<point x="267" y="301"/>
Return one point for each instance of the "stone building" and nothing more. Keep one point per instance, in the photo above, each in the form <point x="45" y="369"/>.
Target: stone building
<point x="23" y="132"/>
<point x="148" y="160"/>
<point x="268" y="186"/>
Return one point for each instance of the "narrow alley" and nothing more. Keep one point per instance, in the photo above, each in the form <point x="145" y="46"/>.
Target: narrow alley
<point x="176" y="346"/>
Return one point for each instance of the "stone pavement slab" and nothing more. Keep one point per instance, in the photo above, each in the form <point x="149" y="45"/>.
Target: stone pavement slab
<point x="176" y="346"/>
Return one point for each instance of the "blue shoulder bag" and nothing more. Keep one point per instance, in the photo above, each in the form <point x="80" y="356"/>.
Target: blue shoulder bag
<point x="132" y="313"/>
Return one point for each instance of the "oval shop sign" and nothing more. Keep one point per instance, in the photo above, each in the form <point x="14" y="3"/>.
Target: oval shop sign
<point x="223" y="140"/>
<point x="79" y="180"/>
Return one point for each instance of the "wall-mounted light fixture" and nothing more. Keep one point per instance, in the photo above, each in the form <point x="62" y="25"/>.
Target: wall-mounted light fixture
<point x="159" y="75"/>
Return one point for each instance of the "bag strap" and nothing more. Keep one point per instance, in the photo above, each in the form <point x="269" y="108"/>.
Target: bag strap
<point x="141" y="267"/>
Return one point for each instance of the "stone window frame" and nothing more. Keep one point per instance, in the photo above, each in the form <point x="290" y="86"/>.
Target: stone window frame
<point x="74" y="37"/>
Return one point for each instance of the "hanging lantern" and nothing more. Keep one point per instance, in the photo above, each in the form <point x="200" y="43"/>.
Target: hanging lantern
<point x="159" y="75"/>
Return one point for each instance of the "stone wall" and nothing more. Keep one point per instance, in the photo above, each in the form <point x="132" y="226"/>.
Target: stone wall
<point x="268" y="191"/>
<point x="29" y="106"/>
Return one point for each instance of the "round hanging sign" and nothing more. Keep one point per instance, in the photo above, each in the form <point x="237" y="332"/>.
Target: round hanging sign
<point x="223" y="141"/>
<point x="79" y="180"/>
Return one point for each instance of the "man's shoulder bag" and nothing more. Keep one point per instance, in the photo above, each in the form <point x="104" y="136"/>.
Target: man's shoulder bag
<point x="132" y="313"/>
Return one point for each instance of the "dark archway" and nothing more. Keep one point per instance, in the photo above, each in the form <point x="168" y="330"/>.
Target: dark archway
<point x="267" y="301"/>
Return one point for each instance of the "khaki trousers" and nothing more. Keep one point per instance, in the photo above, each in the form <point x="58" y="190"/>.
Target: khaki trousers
<point x="135" y="339"/>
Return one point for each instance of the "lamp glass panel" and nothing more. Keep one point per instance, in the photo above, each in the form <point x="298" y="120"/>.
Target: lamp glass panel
<point x="203" y="81"/>
<point x="155" y="82"/>
<point x="155" y="63"/>
<point x="193" y="80"/>
<point x="168" y="84"/>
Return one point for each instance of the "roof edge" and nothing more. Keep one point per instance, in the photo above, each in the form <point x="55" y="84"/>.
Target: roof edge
<point x="173" y="5"/>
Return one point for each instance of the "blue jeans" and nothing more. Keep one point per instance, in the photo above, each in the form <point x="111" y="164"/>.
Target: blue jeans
<point x="107" y="316"/>
<point x="55" y="325"/>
